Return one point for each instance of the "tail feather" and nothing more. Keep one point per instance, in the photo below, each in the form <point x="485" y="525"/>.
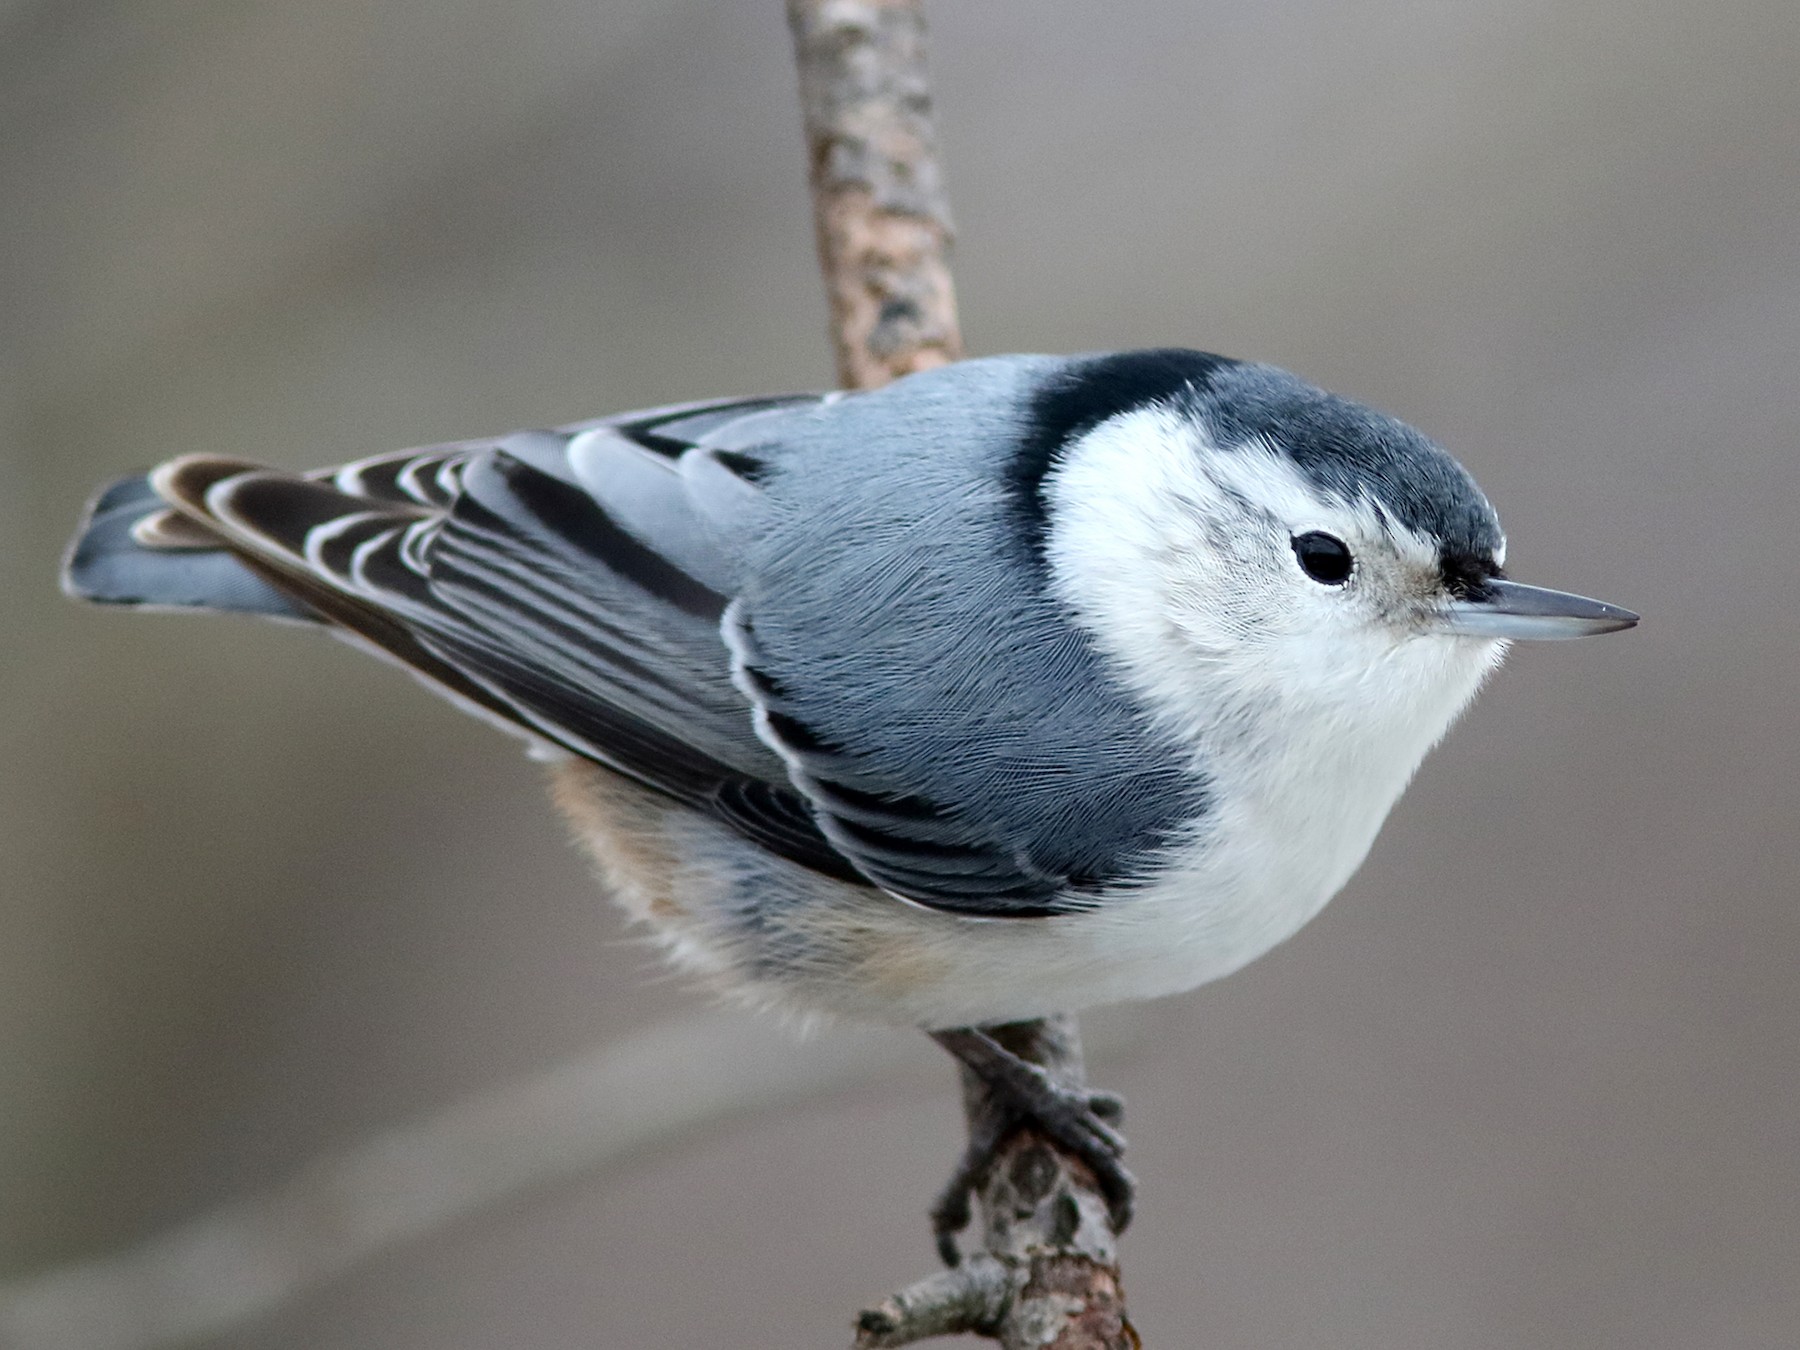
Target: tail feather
<point x="124" y="555"/>
<point x="170" y="531"/>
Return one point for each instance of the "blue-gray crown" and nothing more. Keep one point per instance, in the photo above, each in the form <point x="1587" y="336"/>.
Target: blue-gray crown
<point x="1342" y="447"/>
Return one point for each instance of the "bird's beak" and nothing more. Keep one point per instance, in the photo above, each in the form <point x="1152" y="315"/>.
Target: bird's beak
<point x="1505" y="609"/>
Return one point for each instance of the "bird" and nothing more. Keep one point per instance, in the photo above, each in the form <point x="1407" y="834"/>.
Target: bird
<point x="1018" y="686"/>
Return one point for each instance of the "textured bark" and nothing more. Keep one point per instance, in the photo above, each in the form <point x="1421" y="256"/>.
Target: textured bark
<point x="878" y="197"/>
<point x="1043" y="1216"/>
<point x="1047" y="1277"/>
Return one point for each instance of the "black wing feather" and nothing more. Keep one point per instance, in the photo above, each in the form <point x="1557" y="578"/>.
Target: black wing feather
<point x="562" y="510"/>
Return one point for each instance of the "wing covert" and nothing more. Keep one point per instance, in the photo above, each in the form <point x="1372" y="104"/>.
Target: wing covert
<point x="794" y="614"/>
<point x="900" y="840"/>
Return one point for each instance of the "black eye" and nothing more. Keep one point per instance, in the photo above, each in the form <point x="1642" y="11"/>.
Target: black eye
<point x="1325" y="557"/>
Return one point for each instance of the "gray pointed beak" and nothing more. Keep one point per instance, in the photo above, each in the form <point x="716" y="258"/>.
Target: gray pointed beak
<point x="1505" y="609"/>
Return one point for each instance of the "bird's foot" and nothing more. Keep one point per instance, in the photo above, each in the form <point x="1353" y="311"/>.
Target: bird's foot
<point x="1022" y="1096"/>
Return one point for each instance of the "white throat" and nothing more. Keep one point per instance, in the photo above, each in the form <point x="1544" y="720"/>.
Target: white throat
<point x="1306" y="738"/>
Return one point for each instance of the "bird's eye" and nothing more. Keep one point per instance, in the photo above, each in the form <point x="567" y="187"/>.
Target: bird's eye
<point x="1325" y="557"/>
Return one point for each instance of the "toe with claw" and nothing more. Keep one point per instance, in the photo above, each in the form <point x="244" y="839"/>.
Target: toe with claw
<point x="1021" y="1095"/>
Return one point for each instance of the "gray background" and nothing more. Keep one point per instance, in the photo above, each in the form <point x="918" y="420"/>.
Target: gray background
<point x="1530" y="1081"/>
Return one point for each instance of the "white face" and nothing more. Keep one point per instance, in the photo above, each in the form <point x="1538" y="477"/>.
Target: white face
<point x="1181" y="559"/>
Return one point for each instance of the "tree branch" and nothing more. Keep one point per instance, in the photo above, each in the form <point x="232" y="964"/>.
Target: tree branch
<point x="1049" y="1273"/>
<point x="882" y="217"/>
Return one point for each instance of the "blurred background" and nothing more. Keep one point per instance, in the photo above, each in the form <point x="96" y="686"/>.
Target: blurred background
<point x="1530" y="1081"/>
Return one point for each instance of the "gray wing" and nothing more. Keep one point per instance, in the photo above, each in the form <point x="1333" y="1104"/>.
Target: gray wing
<point x="781" y="612"/>
<point x="901" y="839"/>
<point x="566" y="582"/>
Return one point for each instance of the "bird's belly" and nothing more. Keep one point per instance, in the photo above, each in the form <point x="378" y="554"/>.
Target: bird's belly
<point x="775" y="934"/>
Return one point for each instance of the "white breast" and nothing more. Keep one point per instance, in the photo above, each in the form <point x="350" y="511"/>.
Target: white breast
<point x="1306" y="740"/>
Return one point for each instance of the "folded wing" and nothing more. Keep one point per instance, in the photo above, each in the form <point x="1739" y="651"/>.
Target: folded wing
<point x="581" y="585"/>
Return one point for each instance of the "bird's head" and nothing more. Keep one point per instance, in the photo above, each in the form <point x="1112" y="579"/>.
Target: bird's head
<point x="1245" y="545"/>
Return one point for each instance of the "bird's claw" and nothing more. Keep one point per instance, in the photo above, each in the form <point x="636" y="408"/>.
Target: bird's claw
<point x="1079" y="1121"/>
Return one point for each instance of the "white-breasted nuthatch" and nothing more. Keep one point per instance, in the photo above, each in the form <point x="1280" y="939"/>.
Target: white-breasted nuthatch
<point x="1018" y="686"/>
